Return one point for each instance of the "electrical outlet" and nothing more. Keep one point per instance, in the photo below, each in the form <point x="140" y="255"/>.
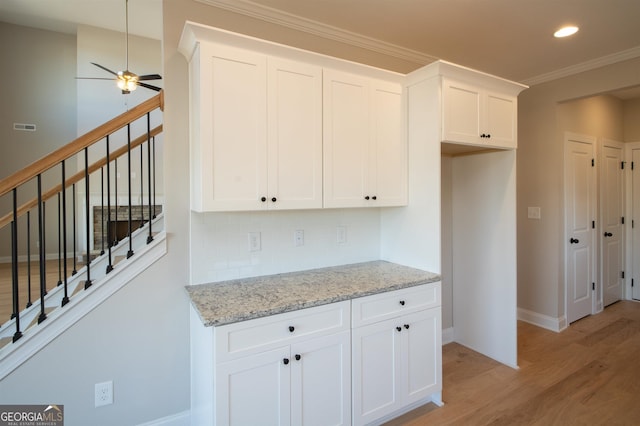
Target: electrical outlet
<point x="298" y="238"/>
<point x="254" y="241"/>
<point x="341" y="235"/>
<point x="104" y="393"/>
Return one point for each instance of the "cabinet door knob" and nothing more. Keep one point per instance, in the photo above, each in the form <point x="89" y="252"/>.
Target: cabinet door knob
<point x="285" y="361"/>
<point x="402" y="302"/>
<point x="489" y="135"/>
<point x="274" y="199"/>
<point x="608" y="234"/>
<point x="574" y="240"/>
<point x="263" y="199"/>
<point x="406" y="326"/>
<point x="291" y="328"/>
<point x="374" y="198"/>
<point x="399" y="328"/>
<point x="298" y="356"/>
<point x="366" y="197"/>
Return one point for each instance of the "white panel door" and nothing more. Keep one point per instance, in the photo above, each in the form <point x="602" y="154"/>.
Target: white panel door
<point x="376" y="370"/>
<point x="321" y="381"/>
<point x="501" y="120"/>
<point x="461" y="112"/>
<point x="346" y="139"/>
<point x="234" y="111"/>
<point x="635" y="229"/>
<point x="580" y="213"/>
<point x="422" y="354"/>
<point x="295" y="135"/>
<point x="254" y="390"/>
<point x="611" y="213"/>
<point x="388" y="153"/>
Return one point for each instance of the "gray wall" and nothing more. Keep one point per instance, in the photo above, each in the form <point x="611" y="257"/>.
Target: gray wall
<point x="543" y="117"/>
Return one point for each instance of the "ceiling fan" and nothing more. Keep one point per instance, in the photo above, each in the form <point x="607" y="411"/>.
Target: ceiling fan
<point x="126" y="80"/>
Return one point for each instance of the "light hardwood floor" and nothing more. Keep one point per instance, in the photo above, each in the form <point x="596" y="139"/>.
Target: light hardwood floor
<point x="588" y="374"/>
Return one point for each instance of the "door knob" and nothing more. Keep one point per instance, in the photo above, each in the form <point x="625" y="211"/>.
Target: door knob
<point x="608" y="234"/>
<point x="574" y="241"/>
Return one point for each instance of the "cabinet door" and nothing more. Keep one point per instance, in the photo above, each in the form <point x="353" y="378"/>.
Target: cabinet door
<point x="321" y="381"/>
<point x="346" y="139"/>
<point x="422" y="355"/>
<point x="501" y="120"/>
<point x="295" y="135"/>
<point x="230" y="165"/>
<point x="388" y="153"/>
<point x="461" y="121"/>
<point x="376" y="371"/>
<point x="254" y="390"/>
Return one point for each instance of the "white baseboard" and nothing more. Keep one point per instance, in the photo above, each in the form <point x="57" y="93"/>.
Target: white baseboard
<point x="179" y="419"/>
<point x="447" y="336"/>
<point x="544" y="321"/>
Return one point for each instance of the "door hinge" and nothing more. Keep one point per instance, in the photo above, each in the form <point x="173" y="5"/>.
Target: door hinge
<point x="593" y="162"/>
<point x="622" y="165"/>
<point x="593" y="286"/>
<point x="622" y="220"/>
<point x="593" y="224"/>
<point x="622" y="274"/>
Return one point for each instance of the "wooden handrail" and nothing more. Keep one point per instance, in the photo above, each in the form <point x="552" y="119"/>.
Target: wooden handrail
<point x="6" y="219"/>
<point x="84" y="141"/>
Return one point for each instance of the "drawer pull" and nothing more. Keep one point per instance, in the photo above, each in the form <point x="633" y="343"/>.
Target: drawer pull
<point x="402" y="302"/>
<point x="298" y="356"/>
<point x="406" y="326"/>
<point x="285" y="361"/>
<point x="291" y="328"/>
<point x="399" y="328"/>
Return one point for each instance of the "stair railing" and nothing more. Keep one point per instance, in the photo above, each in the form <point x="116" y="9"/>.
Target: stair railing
<point x="55" y="192"/>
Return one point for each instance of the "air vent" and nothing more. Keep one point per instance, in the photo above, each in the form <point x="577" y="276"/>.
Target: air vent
<point x="24" y="127"/>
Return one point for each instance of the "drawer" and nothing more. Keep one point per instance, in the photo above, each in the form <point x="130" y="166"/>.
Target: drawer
<point x="252" y="336"/>
<point x="379" y="307"/>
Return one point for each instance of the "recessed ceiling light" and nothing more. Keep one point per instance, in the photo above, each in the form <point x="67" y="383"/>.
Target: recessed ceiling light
<point x="565" y="31"/>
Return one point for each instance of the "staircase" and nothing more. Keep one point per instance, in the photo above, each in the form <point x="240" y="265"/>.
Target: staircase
<point x="75" y="240"/>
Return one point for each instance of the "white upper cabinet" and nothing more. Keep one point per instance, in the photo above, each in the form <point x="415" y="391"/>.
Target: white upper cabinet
<point x="295" y="135"/>
<point x="475" y="115"/>
<point x="256" y="141"/>
<point x="257" y="120"/>
<point x="365" y="155"/>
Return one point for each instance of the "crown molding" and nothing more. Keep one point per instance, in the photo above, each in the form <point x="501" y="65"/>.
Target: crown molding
<point x="584" y="66"/>
<point x="299" y="23"/>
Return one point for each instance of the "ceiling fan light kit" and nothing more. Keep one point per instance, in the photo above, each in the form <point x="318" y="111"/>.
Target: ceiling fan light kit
<point x="126" y="80"/>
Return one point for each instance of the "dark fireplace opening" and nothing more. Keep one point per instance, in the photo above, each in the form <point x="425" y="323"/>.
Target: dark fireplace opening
<point x="119" y="229"/>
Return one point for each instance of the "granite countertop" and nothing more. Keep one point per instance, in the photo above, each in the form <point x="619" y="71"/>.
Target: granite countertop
<point x="227" y="302"/>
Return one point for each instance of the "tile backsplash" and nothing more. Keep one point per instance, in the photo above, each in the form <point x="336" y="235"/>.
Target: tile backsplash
<point x="221" y="248"/>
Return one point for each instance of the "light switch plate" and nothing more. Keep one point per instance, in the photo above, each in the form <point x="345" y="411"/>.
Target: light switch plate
<point x="533" y="212"/>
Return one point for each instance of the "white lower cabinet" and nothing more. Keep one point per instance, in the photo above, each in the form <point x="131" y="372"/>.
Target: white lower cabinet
<point x="307" y="383"/>
<point x="351" y="362"/>
<point x="396" y="362"/>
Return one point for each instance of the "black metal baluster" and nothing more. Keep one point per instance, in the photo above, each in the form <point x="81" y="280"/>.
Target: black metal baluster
<point x="102" y="209"/>
<point x="74" y="223"/>
<point x="87" y="283"/>
<point x="65" y="298"/>
<point x="29" y="259"/>
<point x="130" y="252"/>
<point x="109" y="242"/>
<point x="150" y="236"/>
<point x="59" y="244"/>
<point x="115" y="234"/>
<point x="154" y="176"/>
<point x="141" y="185"/>
<point x="14" y="266"/>
<point x="43" y="271"/>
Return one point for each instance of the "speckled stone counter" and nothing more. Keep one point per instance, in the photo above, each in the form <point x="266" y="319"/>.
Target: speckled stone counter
<point x="227" y="302"/>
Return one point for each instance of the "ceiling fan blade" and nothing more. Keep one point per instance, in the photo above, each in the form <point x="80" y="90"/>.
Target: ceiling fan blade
<point x="106" y="69"/>
<point x="148" y="86"/>
<point x="95" y="78"/>
<point x="150" y="77"/>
